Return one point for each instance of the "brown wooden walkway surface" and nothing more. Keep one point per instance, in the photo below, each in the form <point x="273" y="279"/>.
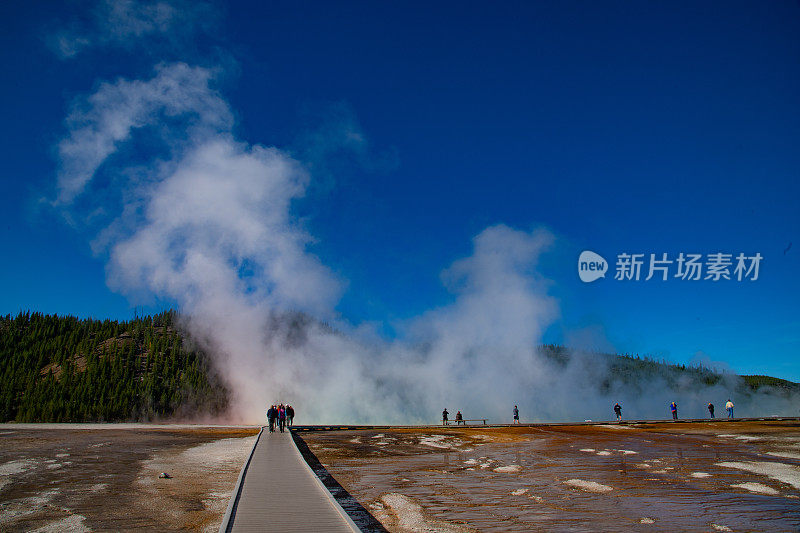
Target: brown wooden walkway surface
<point x="278" y="491"/>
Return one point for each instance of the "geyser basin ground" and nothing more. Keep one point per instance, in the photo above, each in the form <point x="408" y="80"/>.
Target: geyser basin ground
<point x="738" y="476"/>
<point x="105" y="477"/>
<point x="722" y="476"/>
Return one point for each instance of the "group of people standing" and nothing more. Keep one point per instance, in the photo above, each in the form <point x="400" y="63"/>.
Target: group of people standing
<point x="728" y="407"/>
<point x="282" y="414"/>
<point x="617" y="411"/>
<point x="673" y="407"/>
<point x="460" y="418"/>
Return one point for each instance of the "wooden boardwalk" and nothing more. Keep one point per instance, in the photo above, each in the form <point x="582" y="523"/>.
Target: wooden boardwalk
<point x="278" y="491"/>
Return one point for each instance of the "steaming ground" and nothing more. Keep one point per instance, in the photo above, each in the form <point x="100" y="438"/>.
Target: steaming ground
<point x="105" y="477"/>
<point x="720" y="476"/>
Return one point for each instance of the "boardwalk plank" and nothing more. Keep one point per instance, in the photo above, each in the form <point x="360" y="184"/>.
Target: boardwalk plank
<point x="281" y="493"/>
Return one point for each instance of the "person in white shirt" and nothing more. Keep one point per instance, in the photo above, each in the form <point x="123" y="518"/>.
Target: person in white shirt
<point x="729" y="407"/>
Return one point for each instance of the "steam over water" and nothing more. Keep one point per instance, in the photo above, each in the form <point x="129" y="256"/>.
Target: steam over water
<point x="207" y="222"/>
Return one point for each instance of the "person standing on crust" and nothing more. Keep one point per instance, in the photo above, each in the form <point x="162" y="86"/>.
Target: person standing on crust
<point x="444" y="416"/>
<point x="711" y="409"/>
<point x="618" y="411"/>
<point x="729" y="408"/>
<point x="516" y="415"/>
<point x="674" y="408"/>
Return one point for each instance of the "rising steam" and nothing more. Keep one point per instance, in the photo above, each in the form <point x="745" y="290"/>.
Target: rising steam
<point x="207" y="222"/>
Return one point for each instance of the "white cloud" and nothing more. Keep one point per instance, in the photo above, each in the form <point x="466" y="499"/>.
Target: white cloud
<point x="128" y="23"/>
<point x="211" y="219"/>
<point x="109" y="116"/>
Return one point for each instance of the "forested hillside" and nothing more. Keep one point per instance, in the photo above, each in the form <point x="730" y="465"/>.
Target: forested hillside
<point x="65" y="369"/>
<point x="638" y="372"/>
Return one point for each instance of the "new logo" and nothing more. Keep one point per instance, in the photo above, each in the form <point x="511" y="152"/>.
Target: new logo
<point x="591" y="266"/>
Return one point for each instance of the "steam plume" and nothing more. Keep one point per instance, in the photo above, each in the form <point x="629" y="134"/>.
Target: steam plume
<point x="208" y="223"/>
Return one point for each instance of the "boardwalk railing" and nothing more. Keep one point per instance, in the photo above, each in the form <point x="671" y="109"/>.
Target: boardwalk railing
<point x="227" y="523"/>
<point x="317" y="481"/>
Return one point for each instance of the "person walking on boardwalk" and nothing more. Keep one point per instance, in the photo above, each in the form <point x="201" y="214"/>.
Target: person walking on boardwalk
<point x="289" y="415"/>
<point x="618" y="411"/>
<point x="729" y="408"/>
<point x="516" y="415"/>
<point x="674" y="408"/>
<point x="281" y="417"/>
<point x="711" y="409"/>
<point x="272" y="413"/>
<point x="444" y="416"/>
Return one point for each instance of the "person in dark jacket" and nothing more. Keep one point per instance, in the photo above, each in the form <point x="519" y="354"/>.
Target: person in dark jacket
<point x="711" y="409"/>
<point x="271" y="415"/>
<point x="618" y="411"/>
<point x="289" y="415"/>
<point x="281" y="417"/>
<point x="444" y="416"/>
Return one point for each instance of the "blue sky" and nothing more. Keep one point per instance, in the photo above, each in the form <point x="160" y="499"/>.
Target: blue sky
<point x="643" y="128"/>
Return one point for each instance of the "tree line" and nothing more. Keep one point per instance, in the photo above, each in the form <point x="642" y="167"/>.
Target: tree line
<point x="636" y="372"/>
<point x="65" y="369"/>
